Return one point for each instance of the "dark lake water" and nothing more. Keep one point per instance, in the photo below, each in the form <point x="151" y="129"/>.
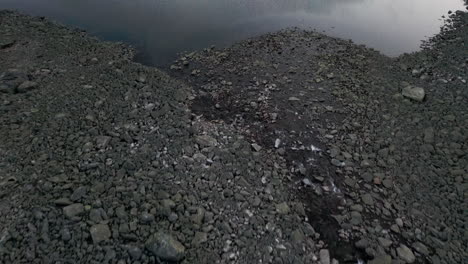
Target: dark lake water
<point x="162" y="28"/>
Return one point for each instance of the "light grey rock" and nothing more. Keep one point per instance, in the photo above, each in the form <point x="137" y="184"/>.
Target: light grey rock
<point x="421" y="248"/>
<point x="282" y="208"/>
<point x="367" y="177"/>
<point x="172" y="217"/>
<point x="429" y="135"/>
<point x="324" y="256"/>
<point x="99" y="233"/>
<point x="357" y="207"/>
<point x="73" y="210"/>
<point x="395" y="228"/>
<point x="399" y="222"/>
<point x="121" y="213"/>
<point x="367" y="199"/>
<point x="297" y="236"/>
<point x="356" y="218"/>
<point x="337" y="163"/>
<point x="199" y="238"/>
<point x="256" y="147"/>
<point x="382" y="259"/>
<point x="414" y="93"/>
<point x="387" y="183"/>
<point x="384" y="242"/>
<point x="147" y="218"/>
<point x="406" y="254"/>
<point x="197" y="218"/>
<point x="63" y="202"/>
<point x="206" y="141"/>
<point x="165" y="247"/>
<point x="65" y="234"/>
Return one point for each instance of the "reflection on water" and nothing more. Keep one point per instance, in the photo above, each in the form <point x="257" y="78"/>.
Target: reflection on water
<point x="163" y="28"/>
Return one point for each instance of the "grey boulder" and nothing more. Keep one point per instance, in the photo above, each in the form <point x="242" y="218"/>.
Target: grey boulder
<point x="100" y="233"/>
<point x="414" y="93"/>
<point x="165" y="247"/>
<point x="73" y="210"/>
<point x="406" y="254"/>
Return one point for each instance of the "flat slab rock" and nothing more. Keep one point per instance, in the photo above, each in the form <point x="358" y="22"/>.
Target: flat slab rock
<point x="415" y="93"/>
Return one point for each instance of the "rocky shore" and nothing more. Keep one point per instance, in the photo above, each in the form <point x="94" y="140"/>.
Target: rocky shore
<point x="292" y="147"/>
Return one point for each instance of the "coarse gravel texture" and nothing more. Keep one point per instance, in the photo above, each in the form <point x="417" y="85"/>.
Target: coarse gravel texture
<point x="103" y="162"/>
<point x="291" y="147"/>
<point x="378" y="146"/>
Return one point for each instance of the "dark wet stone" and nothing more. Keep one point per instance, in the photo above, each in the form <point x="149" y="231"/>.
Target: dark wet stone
<point x="363" y="243"/>
<point x="421" y="248"/>
<point x="63" y="201"/>
<point x="95" y="215"/>
<point x="206" y="141"/>
<point x="282" y="208"/>
<point x="7" y="43"/>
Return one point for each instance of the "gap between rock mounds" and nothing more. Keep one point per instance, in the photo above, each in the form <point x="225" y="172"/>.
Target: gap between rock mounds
<point x="305" y="155"/>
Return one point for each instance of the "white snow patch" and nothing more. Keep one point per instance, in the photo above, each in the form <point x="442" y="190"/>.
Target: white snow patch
<point x="314" y="148"/>
<point x="277" y="143"/>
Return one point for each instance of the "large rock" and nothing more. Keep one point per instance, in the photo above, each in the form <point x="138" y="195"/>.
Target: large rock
<point x="165" y="247"/>
<point x="199" y="238"/>
<point x="282" y="208"/>
<point x="324" y="256"/>
<point x="382" y="259"/>
<point x="406" y="254"/>
<point x="414" y="93"/>
<point x="6" y="43"/>
<point x="421" y="248"/>
<point x="100" y="233"/>
<point x="206" y="141"/>
<point x="73" y="210"/>
<point x="384" y="242"/>
<point x="367" y="199"/>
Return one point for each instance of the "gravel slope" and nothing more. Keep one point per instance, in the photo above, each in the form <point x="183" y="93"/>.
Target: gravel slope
<point x="292" y="147"/>
<point x="376" y="144"/>
<point x="102" y="162"/>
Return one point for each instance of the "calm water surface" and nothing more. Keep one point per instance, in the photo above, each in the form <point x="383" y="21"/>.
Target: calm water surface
<point x="162" y="28"/>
